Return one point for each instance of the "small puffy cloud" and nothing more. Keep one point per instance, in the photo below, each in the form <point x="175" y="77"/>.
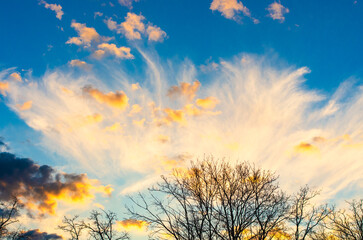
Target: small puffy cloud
<point x="135" y="86"/>
<point x="112" y="49"/>
<point x="86" y="35"/>
<point x="207" y="103"/>
<point x="4" y="87"/>
<point x="37" y="235"/>
<point x="25" y="106"/>
<point x="114" y="127"/>
<point x="184" y="89"/>
<point x="277" y="11"/>
<point x="155" y="33"/>
<point x="54" y="7"/>
<point x="132" y="225"/>
<point x="78" y="63"/>
<point x="133" y="26"/>
<point x="40" y="188"/>
<point x="229" y="8"/>
<point x="136" y="108"/>
<point x="174" y="116"/>
<point x="98" y="14"/>
<point x="127" y="3"/>
<point x="16" y="76"/>
<point x="306" y="148"/>
<point x="139" y="123"/>
<point x="113" y="99"/>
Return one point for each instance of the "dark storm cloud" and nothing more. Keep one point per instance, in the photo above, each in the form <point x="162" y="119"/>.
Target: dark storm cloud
<point x="39" y="186"/>
<point x="37" y="235"/>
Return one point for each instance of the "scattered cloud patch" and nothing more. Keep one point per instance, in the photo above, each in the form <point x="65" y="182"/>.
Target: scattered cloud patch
<point x="132" y="225"/>
<point x="230" y="8"/>
<point x="112" y="49"/>
<point x="117" y="100"/>
<point x="133" y="28"/>
<point x="38" y="235"/>
<point x="127" y="3"/>
<point x="277" y="11"/>
<point x="16" y="76"/>
<point x="78" y="63"/>
<point x="86" y="35"/>
<point x="4" y="87"/>
<point x="54" y="7"/>
<point x="25" y="106"/>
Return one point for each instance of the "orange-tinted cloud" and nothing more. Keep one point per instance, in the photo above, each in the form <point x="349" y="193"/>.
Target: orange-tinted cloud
<point x="155" y="33"/>
<point x="54" y="7"/>
<point x="86" y="35"/>
<point x="132" y="225"/>
<point x="113" y="99"/>
<point x="185" y="89"/>
<point x="112" y="49"/>
<point x="16" y="76"/>
<point x="78" y="63"/>
<point x="207" y="103"/>
<point x="277" y="11"/>
<point x="25" y="106"/>
<point x="306" y="148"/>
<point x="174" y="116"/>
<point x="4" y="87"/>
<point x="133" y="26"/>
<point x="229" y="8"/>
<point x="113" y="128"/>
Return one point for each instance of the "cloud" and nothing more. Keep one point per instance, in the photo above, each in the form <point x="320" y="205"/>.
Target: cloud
<point x="78" y="63"/>
<point x="264" y="111"/>
<point x="16" y="76"/>
<point x="207" y="103"/>
<point x="40" y="188"/>
<point x="37" y="235"/>
<point x="277" y="11"/>
<point x="119" y="52"/>
<point x="306" y="148"/>
<point x="230" y="8"/>
<point x="185" y="89"/>
<point x="155" y="34"/>
<point x="25" y="106"/>
<point x="54" y="7"/>
<point x="133" y="28"/>
<point x="127" y="3"/>
<point x="132" y="225"/>
<point x="86" y="35"/>
<point x="4" y="87"/>
<point x="116" y="100"/>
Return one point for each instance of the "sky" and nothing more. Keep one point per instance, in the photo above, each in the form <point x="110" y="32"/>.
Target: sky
<point x="108" y="95"/>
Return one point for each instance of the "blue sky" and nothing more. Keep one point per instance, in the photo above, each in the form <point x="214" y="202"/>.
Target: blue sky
<point x="286" y="73"/>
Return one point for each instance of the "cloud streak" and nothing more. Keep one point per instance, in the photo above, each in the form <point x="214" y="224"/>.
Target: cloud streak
<point x="249" y="110"/>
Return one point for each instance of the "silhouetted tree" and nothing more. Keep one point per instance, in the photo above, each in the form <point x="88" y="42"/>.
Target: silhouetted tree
<point x="213" y="200"/>
<point x="348" y="224"/>
<point x="8" y="215"/>
<point x="100" y="226"/>
<point x="306" y="218"/>
<point x="72" y="226"/>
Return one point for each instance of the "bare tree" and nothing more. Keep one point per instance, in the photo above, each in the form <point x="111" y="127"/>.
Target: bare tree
<point x="348" y="224"/>
<point x="8" y="215"/>
<point x="306" y="218"/>
<point x="72" y="226"/>
<point x="270" y="206"/>
<point x="100" y="226"/>
<point x="213" y="200"/>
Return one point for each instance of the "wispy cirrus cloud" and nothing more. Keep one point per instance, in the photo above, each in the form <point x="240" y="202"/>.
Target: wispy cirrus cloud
<point x="249" y="110"/>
